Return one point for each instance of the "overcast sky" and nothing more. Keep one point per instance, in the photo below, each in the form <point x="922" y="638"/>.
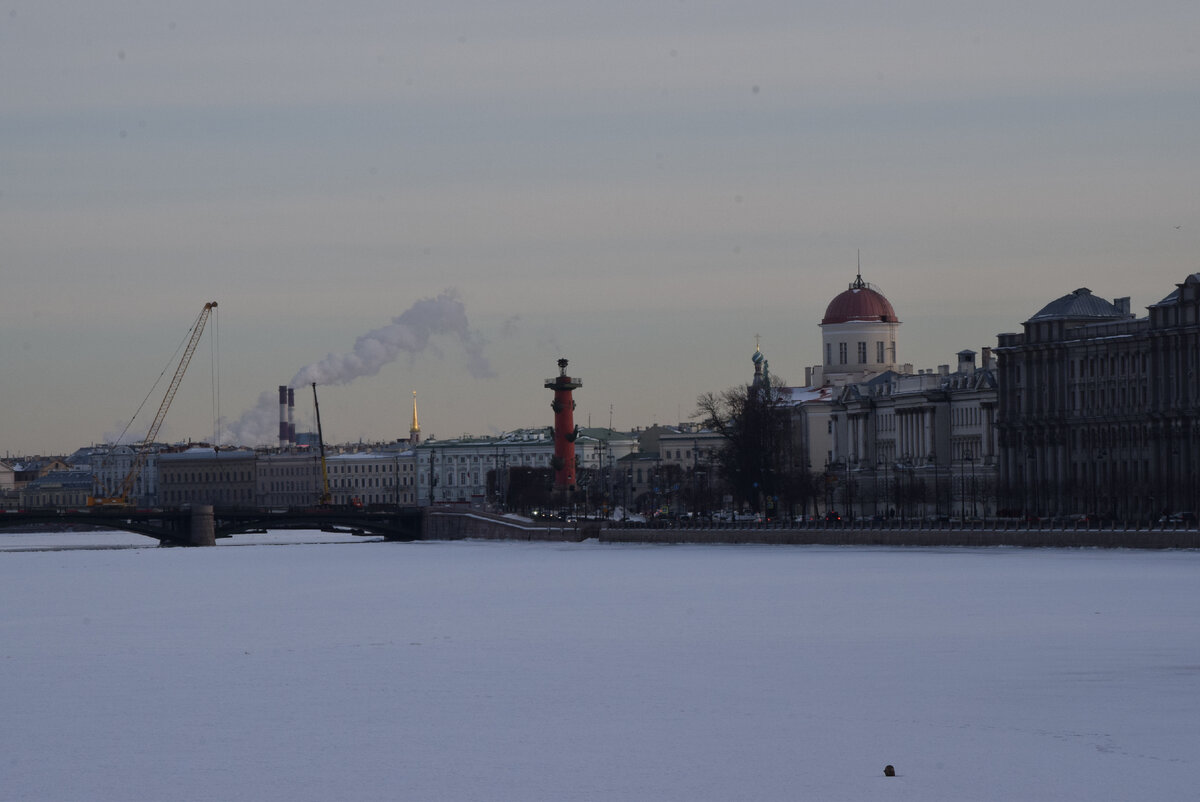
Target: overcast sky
<point x="639" y="187"/>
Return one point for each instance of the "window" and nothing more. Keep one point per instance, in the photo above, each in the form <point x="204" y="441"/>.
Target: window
<point x="862" y="353"/>
<point x="879" y="352"/>
<point x="841" y="353"/>
<point x="828" y="353"/>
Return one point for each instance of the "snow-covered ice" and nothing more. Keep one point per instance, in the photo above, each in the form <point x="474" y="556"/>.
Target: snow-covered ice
<point x="530" y="671"/>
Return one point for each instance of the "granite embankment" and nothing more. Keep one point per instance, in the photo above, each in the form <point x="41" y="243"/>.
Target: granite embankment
<point x="459" y="525"/>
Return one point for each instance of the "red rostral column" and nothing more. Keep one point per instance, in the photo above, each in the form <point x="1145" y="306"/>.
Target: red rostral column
<point x="564" y="427"/>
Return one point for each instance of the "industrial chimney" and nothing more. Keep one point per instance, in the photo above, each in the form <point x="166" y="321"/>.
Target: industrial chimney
<point x="283" y="426"/>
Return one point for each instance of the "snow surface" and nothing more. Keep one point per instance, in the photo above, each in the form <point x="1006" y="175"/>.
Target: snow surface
<point x="528" y="671"/>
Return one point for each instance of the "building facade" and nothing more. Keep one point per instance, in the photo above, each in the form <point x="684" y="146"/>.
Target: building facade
<point x="457" y="471"/>
<point x="111" y="464"/>
<point x="288" y="478"/>
<point x="60" y="489"/>
<point x="917" y="445"/>
<point x="207" y="475"/>
<point x="372" y="478"/>
<point x="1099" y="410"/>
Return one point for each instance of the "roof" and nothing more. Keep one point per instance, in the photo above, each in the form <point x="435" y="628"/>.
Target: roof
<point x="1173" y="298"/>
<point x="206" y="453"/>
<point x="805" y="395"/>
<point x="861" y="302"/>
<point x="1080" y="304"/>
<point x="76" y="479"/>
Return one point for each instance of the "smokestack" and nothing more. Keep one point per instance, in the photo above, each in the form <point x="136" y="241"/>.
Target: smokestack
<point x="283" y="430"/>
<point x="291" y="425"/>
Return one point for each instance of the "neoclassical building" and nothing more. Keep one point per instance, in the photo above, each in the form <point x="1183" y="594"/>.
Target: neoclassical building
<point x="1099" y="409"/>
<point x="456" y="471"/>
<point x="889" y="441"/>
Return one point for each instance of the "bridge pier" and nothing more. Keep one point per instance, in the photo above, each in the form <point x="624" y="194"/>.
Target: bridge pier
<point x="201" y="531"/>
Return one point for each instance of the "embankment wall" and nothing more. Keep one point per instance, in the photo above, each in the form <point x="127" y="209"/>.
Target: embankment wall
<point x="459" y="525"/>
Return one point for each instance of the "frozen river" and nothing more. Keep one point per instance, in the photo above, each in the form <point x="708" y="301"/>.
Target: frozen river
<point x="527" y="671"/>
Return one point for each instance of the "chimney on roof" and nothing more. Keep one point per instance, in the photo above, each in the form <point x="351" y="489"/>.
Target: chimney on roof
<point x="966" y="361"/>
<point x="1122" y="305"/>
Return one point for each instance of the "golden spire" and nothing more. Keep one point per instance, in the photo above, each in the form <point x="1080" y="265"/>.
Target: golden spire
<point x="416" y="427"/>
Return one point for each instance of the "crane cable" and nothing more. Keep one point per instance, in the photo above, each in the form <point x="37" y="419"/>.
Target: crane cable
<point x="170" y="362"/>
<point x="215" y="380"/>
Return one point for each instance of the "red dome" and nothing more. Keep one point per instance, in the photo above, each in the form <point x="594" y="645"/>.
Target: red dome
<point x="859" y="303"/>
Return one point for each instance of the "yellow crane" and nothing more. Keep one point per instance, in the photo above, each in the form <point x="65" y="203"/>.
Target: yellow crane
<point x="121" y="497"/>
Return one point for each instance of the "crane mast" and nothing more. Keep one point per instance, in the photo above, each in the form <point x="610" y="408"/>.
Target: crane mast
<point x="139" y="459"/>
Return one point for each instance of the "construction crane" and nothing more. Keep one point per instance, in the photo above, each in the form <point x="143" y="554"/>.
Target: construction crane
<point x="121" y="497"/>
<point x="326" y="498"/>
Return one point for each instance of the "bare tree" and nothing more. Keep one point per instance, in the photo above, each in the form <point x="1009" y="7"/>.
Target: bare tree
<point x="755" y="461"/>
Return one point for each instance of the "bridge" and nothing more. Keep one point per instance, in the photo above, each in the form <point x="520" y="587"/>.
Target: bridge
<point x="202" y="524"/>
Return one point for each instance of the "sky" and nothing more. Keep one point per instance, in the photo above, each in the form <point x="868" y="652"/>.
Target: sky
<point x="640" y="188"/>
<point x="585" y="671"/>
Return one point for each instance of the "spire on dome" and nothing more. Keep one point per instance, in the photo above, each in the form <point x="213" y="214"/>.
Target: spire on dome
<point x="858" y="283"/>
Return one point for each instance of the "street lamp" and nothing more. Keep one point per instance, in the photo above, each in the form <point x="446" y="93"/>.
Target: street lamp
<point x="971" y="459"/>
<point x="432" y="478"/>
<point x="937" y="486"/>
<point x="1031" y="480"/>
<point x="882" y="463"/>
<point x="849" y="492"/>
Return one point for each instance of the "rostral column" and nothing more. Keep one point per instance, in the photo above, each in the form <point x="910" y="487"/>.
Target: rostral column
<point x="564" y="427"/>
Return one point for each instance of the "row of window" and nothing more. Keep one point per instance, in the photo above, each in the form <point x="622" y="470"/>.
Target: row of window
<point x="1113" y="365"/>
<point x="346" y="482"/>
<point x="385" y="467"/>
<point x="844" y="352"/>
<point x="194" y="477"/>
<point x="706" y="454"/>
<point x="222" y="495"/>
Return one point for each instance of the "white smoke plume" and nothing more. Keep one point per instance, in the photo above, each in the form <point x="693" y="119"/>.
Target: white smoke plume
<point x="409" y="333"/>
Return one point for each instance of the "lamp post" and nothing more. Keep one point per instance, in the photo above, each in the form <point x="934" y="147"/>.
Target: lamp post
<point x="937" y="487"/>
<point x="849" y="492"/>
<point x="1031" y="462"/>
<point x="971" y="459"/>
<point x="828" y="488"/>
<point x="695" y="467"/>
<point x="882" y="463"/>
<point x="432" y="478"/>
<point x="962" y="488"/>
<point x="875" y="495"/>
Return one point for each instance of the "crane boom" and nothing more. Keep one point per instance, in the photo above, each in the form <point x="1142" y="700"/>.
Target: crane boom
<point x="139" y="458"/>
<point x="325" y="496"/>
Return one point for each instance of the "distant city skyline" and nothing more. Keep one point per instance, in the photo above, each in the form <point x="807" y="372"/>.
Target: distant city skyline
<point x="641" y="190"/>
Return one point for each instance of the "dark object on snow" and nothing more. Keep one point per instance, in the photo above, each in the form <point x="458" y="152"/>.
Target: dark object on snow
<point x="889" y="771"/>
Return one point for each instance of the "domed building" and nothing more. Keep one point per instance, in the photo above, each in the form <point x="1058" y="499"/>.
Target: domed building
<point x="858" y="336"/>
<point x="878" y="431"/>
